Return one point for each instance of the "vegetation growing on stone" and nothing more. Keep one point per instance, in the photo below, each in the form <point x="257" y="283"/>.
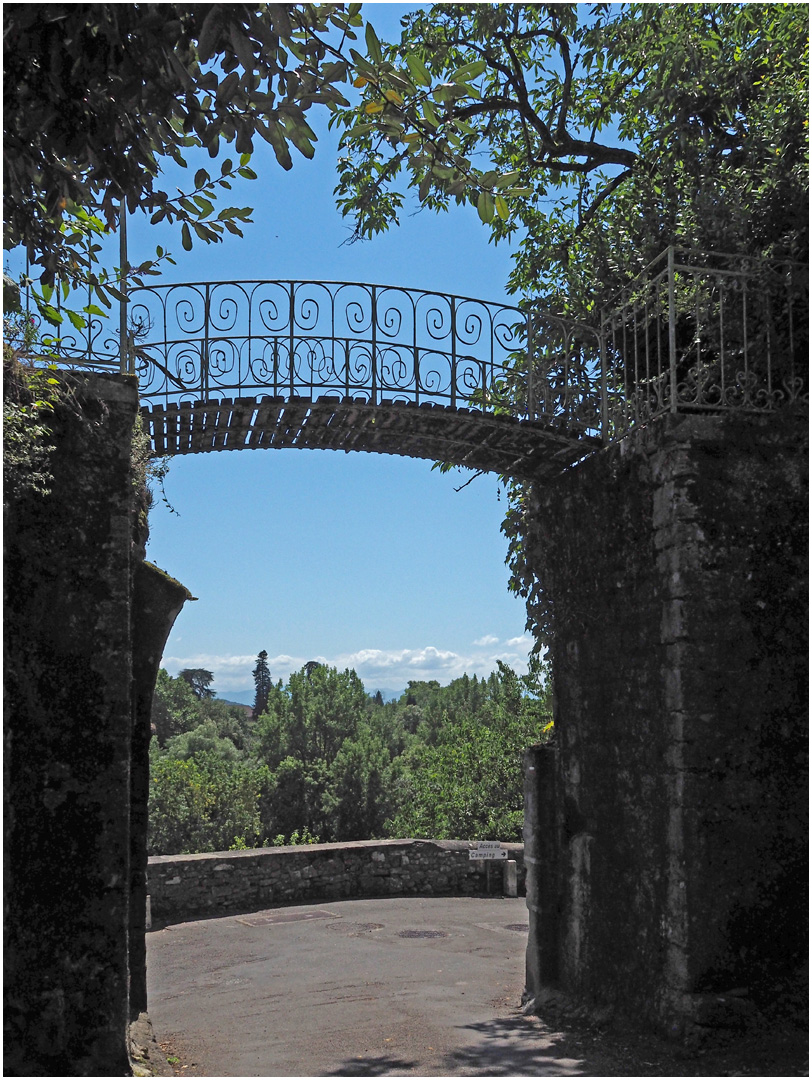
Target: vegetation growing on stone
<point x="29" y="393"/>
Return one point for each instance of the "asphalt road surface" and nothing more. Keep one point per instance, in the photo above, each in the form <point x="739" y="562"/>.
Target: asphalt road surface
<point x="399" y="987"/>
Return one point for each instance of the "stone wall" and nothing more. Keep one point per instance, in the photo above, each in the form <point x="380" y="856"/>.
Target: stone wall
<point x="79" y="657"/>
<point x="183" y="886"/>
<point x="666" y="828"/>
<point x="157" y="601"/>
<point x="68" y="712"/>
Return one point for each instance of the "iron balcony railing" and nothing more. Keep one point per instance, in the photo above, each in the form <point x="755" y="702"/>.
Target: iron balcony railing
<point x="703" y="332"/>
<point x="694" y="332"/>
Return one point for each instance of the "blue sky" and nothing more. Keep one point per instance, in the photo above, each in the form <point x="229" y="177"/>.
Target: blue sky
<point x="356" y="560"/>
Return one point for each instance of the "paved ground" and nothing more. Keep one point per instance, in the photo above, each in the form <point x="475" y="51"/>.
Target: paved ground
<point x="403" y="987"/>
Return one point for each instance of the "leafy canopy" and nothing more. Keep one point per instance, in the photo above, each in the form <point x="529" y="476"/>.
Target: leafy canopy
<point x="593" y="135"/>
<point x="326" y="760"/>
<point x="597" y="135"/>
<point x="200" y="680"/>
<point x="100" y="96"/>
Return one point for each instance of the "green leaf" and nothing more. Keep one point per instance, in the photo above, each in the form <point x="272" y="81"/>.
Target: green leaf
<point x="429" y="115"/>
<point x="506" y="179"/>
<point x="186" y="237"/>
<point x="228" y="88"/>
<point x="362" y="65"/>
<point x="50" y="314"/>
<point x="501" y="207"/>
<point x="373" y="45"/>
<point x="418" y="70"/>
<point x="449" y="91"/>
<point x="77" y="319"/>
<point x="469" y="71"/>
<point x="201" y="178"/>
<point x="485" y="207"/>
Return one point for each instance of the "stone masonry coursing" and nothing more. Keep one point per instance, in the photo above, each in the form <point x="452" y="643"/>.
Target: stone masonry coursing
<point x="666" y="832"/>
<point x="67" y="722"/>
<point x="86" y="621"/>
<point x="183" y="886"/>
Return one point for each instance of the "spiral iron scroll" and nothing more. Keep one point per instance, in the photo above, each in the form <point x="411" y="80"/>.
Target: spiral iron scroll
<point x="695" y="331"/>
<point x="717" y="334"/>
<point x="361" y="342"/>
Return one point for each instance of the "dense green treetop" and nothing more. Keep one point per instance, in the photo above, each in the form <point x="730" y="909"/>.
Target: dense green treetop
<point x="598" y="134"/>
<point x="311" y="717"/>
<point x="96" y="95"/>
<point x="200" y="680"/>
<point x="262" y="684"/>
<point x="327" y="761"/>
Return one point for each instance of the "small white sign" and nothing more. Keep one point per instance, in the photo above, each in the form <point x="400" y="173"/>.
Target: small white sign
<point x="487" y="849"/>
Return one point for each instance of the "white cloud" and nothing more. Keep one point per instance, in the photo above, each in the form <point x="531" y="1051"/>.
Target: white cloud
<point x="523" y="642"/>
<point x="234" y="672"/>
<point x="390" y="668"/>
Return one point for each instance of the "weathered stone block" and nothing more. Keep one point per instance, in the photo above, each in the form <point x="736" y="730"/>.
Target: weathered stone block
<point x="69" y="714"/>
<point x="675" y="568"/>
<point x="440" y="868"/>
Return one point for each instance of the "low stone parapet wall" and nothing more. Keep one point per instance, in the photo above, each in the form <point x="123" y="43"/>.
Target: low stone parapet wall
<point x="218" y="883"/>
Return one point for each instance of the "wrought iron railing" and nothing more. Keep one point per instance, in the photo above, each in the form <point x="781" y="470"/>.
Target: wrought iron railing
<point x="694" y="332"/>
<point x="702" y="332"/>
<point x="363" y="342"/>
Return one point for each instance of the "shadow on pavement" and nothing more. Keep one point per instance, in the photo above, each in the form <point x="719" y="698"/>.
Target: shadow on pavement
<point x="384" y="1065"/>
<point x="514" y="1046"/>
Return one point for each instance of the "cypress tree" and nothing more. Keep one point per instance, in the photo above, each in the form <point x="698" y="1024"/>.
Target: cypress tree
<point x="262" y="682"/>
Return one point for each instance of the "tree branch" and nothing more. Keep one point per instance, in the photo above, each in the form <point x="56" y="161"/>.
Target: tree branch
<point x="480" y="472"/>
<point x="601" y="197"/>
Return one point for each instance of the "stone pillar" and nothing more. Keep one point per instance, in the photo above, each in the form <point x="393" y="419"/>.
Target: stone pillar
<point x="674" y="566"/>
<point x="157" y="601"/>
<point x="67" y="717"/>
<point x="510" y="885"/>
<point x="542" y="867"/>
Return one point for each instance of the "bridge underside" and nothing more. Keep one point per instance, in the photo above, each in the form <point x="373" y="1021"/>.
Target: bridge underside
<point x="523" y="449"/>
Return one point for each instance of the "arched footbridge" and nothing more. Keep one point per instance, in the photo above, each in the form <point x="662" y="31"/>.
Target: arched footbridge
<point x="513" y="390"/>
<point x="347" y="366"/>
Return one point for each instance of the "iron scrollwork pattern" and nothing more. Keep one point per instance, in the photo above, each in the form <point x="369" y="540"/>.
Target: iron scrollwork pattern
<point x="694" y="332"/>
<point x="366" y="343"/>
<point x="703" y="332"/>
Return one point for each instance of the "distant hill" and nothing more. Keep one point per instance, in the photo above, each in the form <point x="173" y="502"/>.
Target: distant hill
<point x="239" y="697"/>
<point x="246" y="697"/>
<point x="238" y="704"/>
<point x="386" y="694"/>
